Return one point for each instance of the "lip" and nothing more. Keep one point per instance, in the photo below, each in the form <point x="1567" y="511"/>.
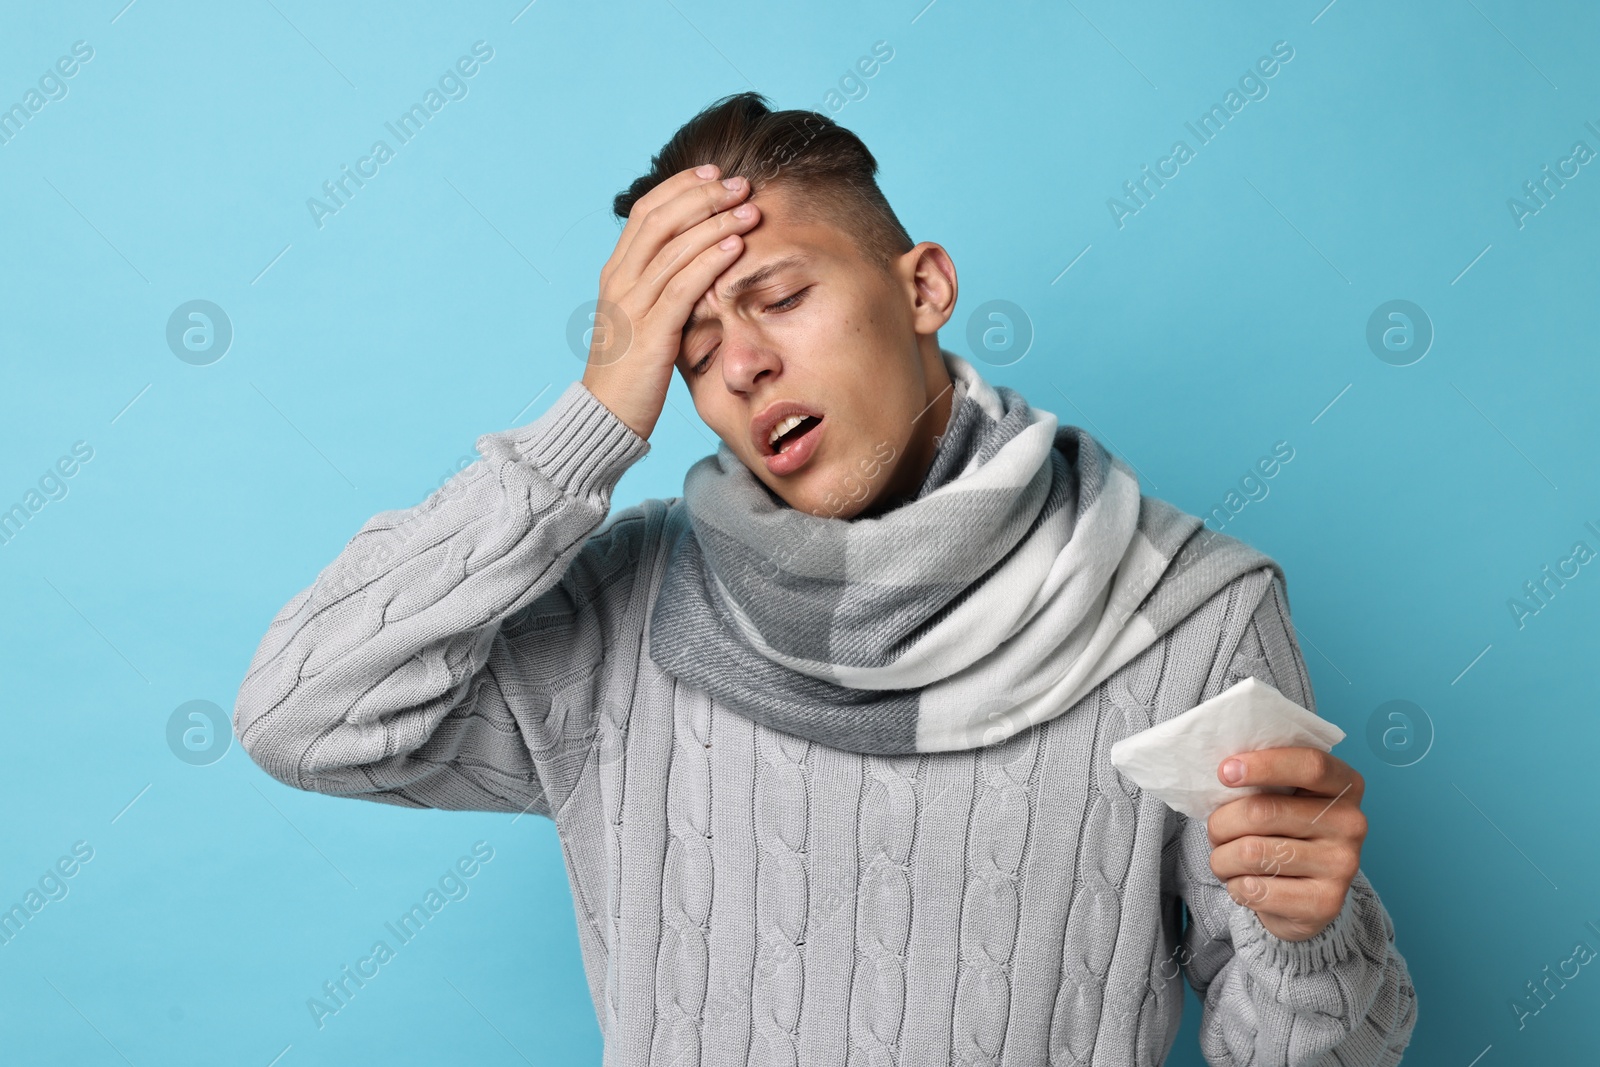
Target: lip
<point x="798" y="454"/>
<point x="774" y="413"/>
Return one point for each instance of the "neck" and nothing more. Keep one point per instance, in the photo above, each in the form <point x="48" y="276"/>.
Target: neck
<point x="926" y="433"/>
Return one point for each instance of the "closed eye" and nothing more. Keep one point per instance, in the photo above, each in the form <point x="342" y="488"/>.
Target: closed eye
<point x="788" y="303"/>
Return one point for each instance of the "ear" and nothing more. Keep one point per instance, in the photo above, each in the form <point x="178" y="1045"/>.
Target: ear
<point x="929" y="277"/>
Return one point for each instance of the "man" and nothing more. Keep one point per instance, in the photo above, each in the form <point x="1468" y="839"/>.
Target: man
<point x="826" y="738"/>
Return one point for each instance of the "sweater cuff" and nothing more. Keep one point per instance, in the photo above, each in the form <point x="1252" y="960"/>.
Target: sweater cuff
<point x="579" y="444"/>
<point x="1332" y="945"/>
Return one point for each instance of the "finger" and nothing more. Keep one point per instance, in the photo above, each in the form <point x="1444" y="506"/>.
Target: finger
<point x="688" y="285"/>
<point x="660" y="313"/>
<point x="1272" y="857"/>
<point x="1304" y="768"/>
<point x="1282" y="815"/>
<point x="677" y="230"/>
<point x="679" y="252"/>
<point x="1307" y="900"/>
<point x="663" y="192"/>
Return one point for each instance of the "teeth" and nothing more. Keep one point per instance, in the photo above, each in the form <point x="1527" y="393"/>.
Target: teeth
<point x="784" y="427"/>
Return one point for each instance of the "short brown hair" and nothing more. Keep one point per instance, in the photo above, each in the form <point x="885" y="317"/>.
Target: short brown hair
<point x="827" y="171"/>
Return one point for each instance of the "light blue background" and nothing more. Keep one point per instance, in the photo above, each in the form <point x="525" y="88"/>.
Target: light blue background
<point x="1228" y="314"/>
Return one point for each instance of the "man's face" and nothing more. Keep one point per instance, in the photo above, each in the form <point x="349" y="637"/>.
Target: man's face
<point x="840" y="338"/>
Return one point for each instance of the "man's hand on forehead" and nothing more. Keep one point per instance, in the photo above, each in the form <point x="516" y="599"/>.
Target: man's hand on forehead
<point x="680" y="239"/>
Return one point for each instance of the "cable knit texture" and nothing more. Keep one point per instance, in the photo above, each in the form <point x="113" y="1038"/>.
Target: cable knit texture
<point x="748" y="897"/>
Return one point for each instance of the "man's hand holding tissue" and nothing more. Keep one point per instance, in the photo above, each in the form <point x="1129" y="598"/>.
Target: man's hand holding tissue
<point x="1289" y="857"/>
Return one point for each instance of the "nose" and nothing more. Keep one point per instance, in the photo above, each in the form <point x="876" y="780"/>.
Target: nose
<point x="746" y="359"/>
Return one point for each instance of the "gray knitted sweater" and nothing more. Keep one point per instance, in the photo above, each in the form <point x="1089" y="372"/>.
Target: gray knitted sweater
<point x="744" y="896"/>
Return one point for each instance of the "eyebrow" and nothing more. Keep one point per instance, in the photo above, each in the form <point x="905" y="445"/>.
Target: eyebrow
<point x="750" y="281"/>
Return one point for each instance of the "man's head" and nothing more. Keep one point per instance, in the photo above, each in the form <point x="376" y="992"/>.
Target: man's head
<point x="830" y="307"/>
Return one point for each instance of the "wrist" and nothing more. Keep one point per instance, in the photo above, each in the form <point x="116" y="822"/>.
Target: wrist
<point x="640" y="427"/>
<point x="579" y="444"/>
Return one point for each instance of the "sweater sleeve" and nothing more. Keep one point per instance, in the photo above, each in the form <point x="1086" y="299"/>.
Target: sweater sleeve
<point x="450" y="656"/>
<point x="1342" y="997"/>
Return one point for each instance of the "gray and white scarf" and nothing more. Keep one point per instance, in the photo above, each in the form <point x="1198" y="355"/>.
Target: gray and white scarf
<point x="1025" y="570"/>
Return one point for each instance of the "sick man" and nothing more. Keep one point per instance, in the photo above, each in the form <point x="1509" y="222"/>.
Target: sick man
<point x="825" y="738"/>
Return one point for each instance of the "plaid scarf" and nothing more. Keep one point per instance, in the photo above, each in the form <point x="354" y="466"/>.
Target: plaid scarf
<point x="1025" y="570"/>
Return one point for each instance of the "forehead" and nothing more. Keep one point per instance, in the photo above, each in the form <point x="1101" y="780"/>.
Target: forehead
<point x="777" y="236"/>
<point x="776" y="240"/>
<point x="780" y="233"/>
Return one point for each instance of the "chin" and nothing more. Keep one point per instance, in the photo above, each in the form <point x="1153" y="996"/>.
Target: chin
<point x="801" y="500"/>
<point x="827" y="498"/>
<point x="817" y="489"/>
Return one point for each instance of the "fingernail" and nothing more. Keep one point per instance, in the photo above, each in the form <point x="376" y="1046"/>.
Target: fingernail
<point x="731" y="183"/>
<point x="706" y="170"/>
<point x="1232" y="770"/>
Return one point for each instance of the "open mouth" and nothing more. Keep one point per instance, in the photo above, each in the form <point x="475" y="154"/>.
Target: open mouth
<point x="797" y="430"/>
<point x="787" y="435"/>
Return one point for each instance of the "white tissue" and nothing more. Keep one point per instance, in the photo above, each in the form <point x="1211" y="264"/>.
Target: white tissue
<point x="1177" y="760"/>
